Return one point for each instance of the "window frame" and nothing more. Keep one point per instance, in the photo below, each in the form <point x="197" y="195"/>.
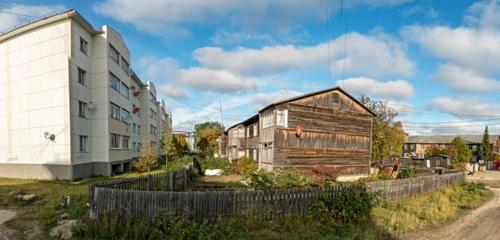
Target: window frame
<point x="123" y="145"/>
<point x="111" y="52"/>
<point x="117" y="139"/>
<point x="82" y="76"/>
<point x="84" y="45"/>
<point x="83" y="141"/>
<point x="122" y="87"/>
<point x="82" y="109"/>
<point x="113" y="78"/>
<point x="116" y="116"/>
<point x="124" y="65"/>
<point x="124" y="118"/>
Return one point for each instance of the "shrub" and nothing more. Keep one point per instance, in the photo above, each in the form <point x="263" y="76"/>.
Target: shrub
<point x="245" y="165"/>
<point x="350" y="204"/>
<point x="214" y="163"/>
<point x="282" y="179"/>
<point x="408" y="172"/>
<point x="147" y="160"/>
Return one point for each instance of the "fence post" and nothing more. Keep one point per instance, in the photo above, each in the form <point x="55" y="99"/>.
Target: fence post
<point x="148" y="187"/>
<point x="172" y="180"/>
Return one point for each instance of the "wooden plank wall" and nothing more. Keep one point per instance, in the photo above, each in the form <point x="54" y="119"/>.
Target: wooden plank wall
<point x="270" y="204"/>
<point x="336" y="133"/>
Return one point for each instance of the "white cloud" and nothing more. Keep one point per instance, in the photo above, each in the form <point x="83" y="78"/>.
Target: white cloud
<point x="476" y="49"/>
<point x="18" y="14"/>
<point x="366" y="55"/>
<point x="172" y="79"/>
<point x="484" y="15"/>
<point x="459" y="128"/>
<point x="215" y="80"/>
<point x="466" y="80"/>
<point x="397" y="89"/>
<point x="174" y="17"/>
<point x="466" y="108"/>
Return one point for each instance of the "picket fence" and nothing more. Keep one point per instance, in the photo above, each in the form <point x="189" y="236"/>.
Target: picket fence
<point x="153" y="196"/>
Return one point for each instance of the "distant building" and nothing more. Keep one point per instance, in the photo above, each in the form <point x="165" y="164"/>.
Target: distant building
<point x="418" y="146"/>
<point x="70" y="104"/>
<point x="328" y="128"/>
<point x="189" y="137"/>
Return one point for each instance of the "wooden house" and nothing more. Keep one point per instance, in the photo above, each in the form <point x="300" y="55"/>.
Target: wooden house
<point x="328" y="128"/>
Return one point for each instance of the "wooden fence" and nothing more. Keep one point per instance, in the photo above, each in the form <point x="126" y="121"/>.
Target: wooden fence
<point x="268" y="204"/>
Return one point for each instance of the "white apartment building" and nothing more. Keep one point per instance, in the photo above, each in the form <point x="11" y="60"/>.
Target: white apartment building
<point x="70" y="105"/>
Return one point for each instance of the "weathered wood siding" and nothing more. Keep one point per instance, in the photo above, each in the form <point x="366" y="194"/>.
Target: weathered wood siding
<point x="335" y="133"/>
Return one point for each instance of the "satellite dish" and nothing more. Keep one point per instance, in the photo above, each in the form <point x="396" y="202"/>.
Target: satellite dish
<point x="49" y="136"/>
<point x="90" y="106"/>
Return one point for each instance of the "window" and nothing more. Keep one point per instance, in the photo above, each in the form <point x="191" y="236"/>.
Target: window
<point x="82" y="109"/>
<point x="114" y="82"/>
<point x="125" y="115"/>
<point x="153" y="98"/>
<point x="152" y="130"/>
<point x="138" y="129"/>
<point x="81" y="76"/>
<point x="113" y="54"/>
<point x="267" y="152"/>
<point x="84" y="45"/>
<point x="114" y="141"/>
<point x="139" y="146"/>
<point x="134" y="127"/>
<point x="125" y="141"/>
<point x="125" y="66"/>
<point x="124" y="90"/>
<point x="152" y="113"/>
<point x="83" y="143"/>
<point x="282" y="118"/>
<point x="114" y="111"/>
<point x="267" y="119"/>
<point x="134" y="147"/>
<point x="153" y="145"/>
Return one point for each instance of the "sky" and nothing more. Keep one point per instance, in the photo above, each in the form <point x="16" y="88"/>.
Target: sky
<point x="435" y="62"/>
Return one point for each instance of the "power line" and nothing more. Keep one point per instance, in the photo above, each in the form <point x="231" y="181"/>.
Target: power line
<point x="327" y="19"/>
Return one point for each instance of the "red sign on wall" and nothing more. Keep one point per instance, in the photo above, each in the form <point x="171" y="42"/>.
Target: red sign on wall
<point x="298" y="130"/>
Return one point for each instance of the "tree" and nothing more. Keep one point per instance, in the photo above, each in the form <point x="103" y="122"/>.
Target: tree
<point x="486" y="153"/>
<point x="177" y="147"/>
<point x="435" y="150"/>
<point x="206" y="135"/>
<point x="166" y="140"/>
<point x="459" y="152"/>
<point x="387" y="133"/>
<point x="147" y="159"/>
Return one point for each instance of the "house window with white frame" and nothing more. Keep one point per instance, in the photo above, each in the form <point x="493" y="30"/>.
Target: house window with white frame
<point x="125" y="115"/>
<point x="83" y="143"/>
<point x="282" y="118"/>
<point x="113" y="54"/>
<point x="125" y="65"/>
<point x="114" y="141"/>
<point x="125" y="142"/>
<point x="267" y="119"/>
<point x="114" y="111"/>
<point x="114" y="82"/>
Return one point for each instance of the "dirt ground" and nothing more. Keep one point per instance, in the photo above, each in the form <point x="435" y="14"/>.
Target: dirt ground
<point x="482" y="223"/>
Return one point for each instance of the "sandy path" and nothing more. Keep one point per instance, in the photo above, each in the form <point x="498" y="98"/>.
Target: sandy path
<point x="482" y="223"/>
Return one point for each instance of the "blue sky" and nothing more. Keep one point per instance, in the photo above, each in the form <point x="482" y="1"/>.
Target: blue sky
<point x="436" y="62"/>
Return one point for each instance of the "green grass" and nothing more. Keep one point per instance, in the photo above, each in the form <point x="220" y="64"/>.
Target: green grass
<point x="430" y="208"/>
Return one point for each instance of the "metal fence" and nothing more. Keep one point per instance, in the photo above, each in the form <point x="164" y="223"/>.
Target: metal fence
<point x="133" y="199"/>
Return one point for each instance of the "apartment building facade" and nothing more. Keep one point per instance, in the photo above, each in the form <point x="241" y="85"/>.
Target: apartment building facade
<point x="70" y="104"/>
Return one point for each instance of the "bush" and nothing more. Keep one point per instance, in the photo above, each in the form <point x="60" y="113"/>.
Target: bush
<point x="408" y="172"/>
<point x="214" y="163"/>
<point x="282" y="179"/>
<point x="244" y="165"/>
<point x="147" y="160"/>
<point x="351" y="203"/>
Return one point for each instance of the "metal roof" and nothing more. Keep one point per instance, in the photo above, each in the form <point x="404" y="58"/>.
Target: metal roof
<point x="445" y="139"/>
<point x="319" y="92"/>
